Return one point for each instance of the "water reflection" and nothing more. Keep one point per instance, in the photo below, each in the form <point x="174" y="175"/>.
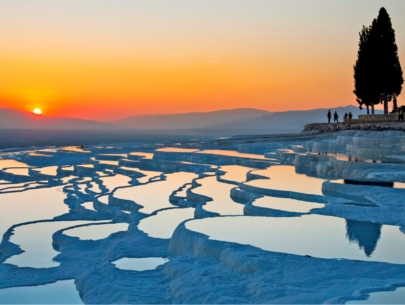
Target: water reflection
<point x="285" y="178"/>
<point x="384" y="297"/>
<point x="365" y="234"/>
<point x="94" y="232"/>
<point x="61" y="292"/>
<point x="235" y="173"/>
<point x="286" y="204"/>
<point x="232" y="153"/>
<point x="220" y="193"/>
<point x="314" y="235"/>
<point x="36" y="242"/>
<point x="155" y="196"/>
<point x="139" y="264"/>
<point x="178" y="149"/>
<point x="163" y="224"/>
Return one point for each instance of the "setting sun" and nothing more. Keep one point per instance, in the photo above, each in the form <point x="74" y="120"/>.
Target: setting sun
<point x="37" y="111"/>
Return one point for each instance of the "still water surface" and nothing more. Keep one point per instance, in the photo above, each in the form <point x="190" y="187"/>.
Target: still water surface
<point x="314" y="235"/>
<point x="61" y="292"/>
<point x="139" y="264"/>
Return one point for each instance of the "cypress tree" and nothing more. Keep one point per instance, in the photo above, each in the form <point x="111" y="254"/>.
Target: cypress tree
<point x="388" y="66"/>
<point x="377" y="72"/>
<point x="364" y="72"/>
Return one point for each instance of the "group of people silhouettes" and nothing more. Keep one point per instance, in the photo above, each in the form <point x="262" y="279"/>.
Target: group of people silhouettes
<point x="336" y="116"/>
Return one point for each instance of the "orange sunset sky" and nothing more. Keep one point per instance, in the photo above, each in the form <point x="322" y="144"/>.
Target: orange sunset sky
<point x="106" y="60"/>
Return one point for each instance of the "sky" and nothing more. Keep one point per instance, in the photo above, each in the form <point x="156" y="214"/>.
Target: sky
<point x="110" y="59"/>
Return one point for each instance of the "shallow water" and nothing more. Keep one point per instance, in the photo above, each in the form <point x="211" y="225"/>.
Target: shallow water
<point x="148" y="175"/>
<point x="163" y="224"/>
<point x="220" y="193"/>
<point x="232" y="153"/>
<point x="142" y="154"/>
<point x="5" y="163"/>
<point x="49" y="170"/>
<point x="95" y="187"/>
<point x="284" y="178"/>
<point x="314" y="235"/>
<point x="89" y="206"/>
<point x="61" y="292"/>
<point x="115" y="181"/>
<point x="76" y="149"/>
<point x="21" y="188"/>
<point x="95" y="232"/>
<point x="384" y="297"/>
<point x="9" y="185"/>
<point x="139" y="264"/>
<point x="155" y="196"/>
<point x="183" y="191"/>
<point x="17" y="171"/>
<point x="86" y="165"/>
<point x="32" y="205"/>
<point x="286" y="204"/>
<point x="108" y="162"/>
<point x="178" y="149"/>
<point x="103" y="199"/>
<point x="235" y="173"/>
<point x="36" y="242"/>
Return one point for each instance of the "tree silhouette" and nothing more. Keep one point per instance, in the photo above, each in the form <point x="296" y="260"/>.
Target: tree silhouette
<point x="364" y="78"/>
<point x="365" y="234"/>
<point x="377" y="72"/>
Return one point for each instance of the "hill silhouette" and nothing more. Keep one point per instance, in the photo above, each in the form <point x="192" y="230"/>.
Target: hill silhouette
<point x="291" y="120"/>
<point x="15" y="119"/>
<point x="190" y="120"/>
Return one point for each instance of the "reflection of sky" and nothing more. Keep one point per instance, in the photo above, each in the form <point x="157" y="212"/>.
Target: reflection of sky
<point x="17" y="171"/>
<point x="11" y="163"/>
<point x="139" y="264"/>
<point x="384" y="297"/>
<point x="49" y="170"/>
<point x="235" y="173"/>
<point x="286" y="204"/>
<point x="314" y="235"/>
<point x="36" y="242"/>
<point x="37" y="204"/>
<point x="177" y="149"/>
<point x="221" y="196"/>
<point x="142" y="154"/>
<point x="155" y="196"/>
<point x="231" y="153"/>
<point x="61" y="292"/>
<point x="285" y="178"/>
<point x="163" y="224"/>
<point x="95" y="232"/>
<point x="115" y="181"/>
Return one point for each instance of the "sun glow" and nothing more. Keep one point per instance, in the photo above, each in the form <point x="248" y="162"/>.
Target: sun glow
<point x="37" y="111"/>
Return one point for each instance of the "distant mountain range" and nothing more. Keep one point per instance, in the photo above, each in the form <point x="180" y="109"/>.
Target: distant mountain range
<point x="293" y="120"/>
<point x="191" y="120"/>
<point x="15" y="119"/>
<point x="237" y="121"/>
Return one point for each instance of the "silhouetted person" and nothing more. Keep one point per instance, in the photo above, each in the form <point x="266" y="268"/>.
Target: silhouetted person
<point x="345" y="117"/>
<point x="350" y="115"/>
<point x="365" y="234"/>
<point x="335" y="117"/>
<point x="329" y="115"/>
<point x="401" y="115"/>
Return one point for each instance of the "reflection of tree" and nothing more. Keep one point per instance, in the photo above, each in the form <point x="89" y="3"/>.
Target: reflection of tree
<point x="365" y="234"/>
